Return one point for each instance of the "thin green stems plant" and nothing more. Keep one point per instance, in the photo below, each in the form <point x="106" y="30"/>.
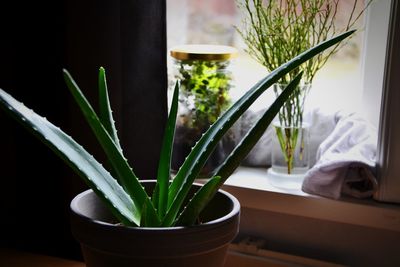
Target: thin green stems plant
<point x="277" y="30"/>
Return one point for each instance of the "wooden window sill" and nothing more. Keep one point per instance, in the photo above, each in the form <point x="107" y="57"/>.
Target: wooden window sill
<point x="12" y="258"/>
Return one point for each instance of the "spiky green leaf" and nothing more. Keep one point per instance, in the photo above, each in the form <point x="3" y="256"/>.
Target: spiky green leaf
<point x="125" y="175"/>
<point x="160" y="195"/>
<point x="199" y="201"/>
<point x="255" y="133"/>
<point x="192" y="210"/>
<point x="92" y="172"/>
<point x="105" y="112"/>
<point x="148" y="219"/>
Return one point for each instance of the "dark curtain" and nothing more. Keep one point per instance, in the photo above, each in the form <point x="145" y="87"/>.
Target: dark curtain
<point x="37" y="40"/>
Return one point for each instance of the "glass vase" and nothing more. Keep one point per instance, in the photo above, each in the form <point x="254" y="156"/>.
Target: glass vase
<point x="290" y="143"/>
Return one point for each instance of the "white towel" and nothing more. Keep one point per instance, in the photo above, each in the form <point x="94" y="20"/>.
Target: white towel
<point x="345" y="160"/>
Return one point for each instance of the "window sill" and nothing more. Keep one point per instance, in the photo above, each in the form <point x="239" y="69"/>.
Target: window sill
<point x="252" y="188"/>
<point x="14" y="258"/>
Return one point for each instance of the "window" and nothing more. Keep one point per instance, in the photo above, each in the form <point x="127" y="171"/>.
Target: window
<point x="337" y="86"/>
<point x="255" y="193"/>
<point x="213" y="22"/>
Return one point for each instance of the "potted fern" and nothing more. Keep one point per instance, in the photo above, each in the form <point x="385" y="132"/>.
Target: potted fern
<point x="123" y="221"/>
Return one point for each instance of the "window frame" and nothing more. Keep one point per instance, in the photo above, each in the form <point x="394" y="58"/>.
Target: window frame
<point x="364" y="213"/>
<point x="388" y="144"/>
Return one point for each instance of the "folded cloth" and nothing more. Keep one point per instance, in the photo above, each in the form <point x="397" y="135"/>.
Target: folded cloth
<point x="345" y="160"/>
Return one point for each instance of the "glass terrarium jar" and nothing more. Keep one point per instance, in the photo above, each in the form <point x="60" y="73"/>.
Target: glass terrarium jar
<point x="205" y="75"/>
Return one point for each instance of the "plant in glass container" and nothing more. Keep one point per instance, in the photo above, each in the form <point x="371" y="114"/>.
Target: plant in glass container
<point x="206" y="80"/>
<point x="275" y="31"/>
<point x="124" y="221"/>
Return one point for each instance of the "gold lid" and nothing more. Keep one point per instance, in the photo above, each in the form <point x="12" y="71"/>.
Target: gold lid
<point x="203" y="52"/>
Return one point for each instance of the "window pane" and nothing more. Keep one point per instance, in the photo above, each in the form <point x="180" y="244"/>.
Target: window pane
<point x="213" y="22"/>
<point x="337" y="86"/>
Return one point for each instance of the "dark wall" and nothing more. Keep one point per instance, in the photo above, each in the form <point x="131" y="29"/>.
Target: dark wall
<point x="37" y="40"/>
<point x="32" y="180"/>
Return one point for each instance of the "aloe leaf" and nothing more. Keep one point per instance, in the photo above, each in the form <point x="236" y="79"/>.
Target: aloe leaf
<point x="194" y="207"/>
<point x="156" y="196"/>
<point x="188" y="172"/>
<point x="199" y="201"/>
<point x="120" y="165"/>
<point x="143" y="218"/>
<point x="255" y="133"/>
<point x="105" y="114"/>
<point x="91" y="171"/>
<point x="160" y="194"/>
<point x="148" y="219"/>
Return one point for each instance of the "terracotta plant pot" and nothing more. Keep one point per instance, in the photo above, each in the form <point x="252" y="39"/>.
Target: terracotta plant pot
<point x="107" y="244"/>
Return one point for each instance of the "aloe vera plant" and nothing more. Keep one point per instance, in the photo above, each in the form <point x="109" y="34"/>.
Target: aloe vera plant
<point x="122" y="191"/>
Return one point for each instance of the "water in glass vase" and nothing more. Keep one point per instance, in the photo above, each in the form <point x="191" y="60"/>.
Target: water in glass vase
<point x="290" y="153"/>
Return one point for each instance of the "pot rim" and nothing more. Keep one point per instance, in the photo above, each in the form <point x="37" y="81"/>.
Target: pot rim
<point x="235" y="210"/>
